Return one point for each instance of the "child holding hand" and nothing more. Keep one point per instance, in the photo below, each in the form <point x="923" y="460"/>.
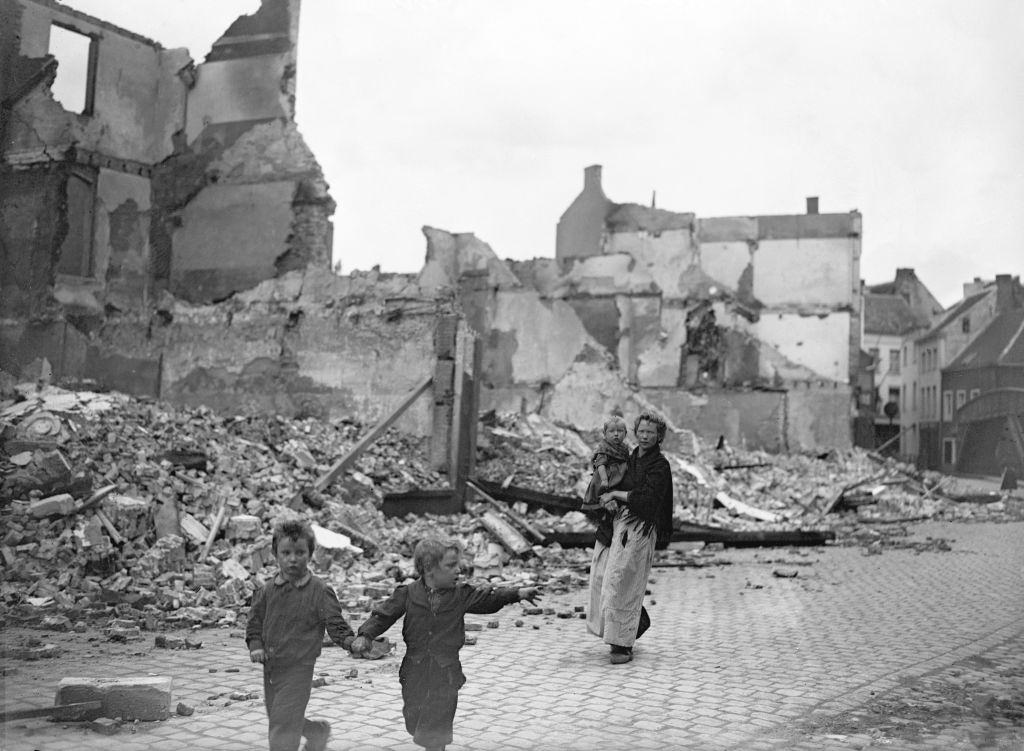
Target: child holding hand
<point x="285" y="632"/>
<point x="434" y="631"/>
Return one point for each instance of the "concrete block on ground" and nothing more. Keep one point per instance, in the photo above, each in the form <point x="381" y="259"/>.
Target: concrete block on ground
<point x="143" y="698"/>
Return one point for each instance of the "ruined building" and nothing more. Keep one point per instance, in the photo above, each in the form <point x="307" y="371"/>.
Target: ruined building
<point x="170" y="236"/>
<point x="167" y="176"/>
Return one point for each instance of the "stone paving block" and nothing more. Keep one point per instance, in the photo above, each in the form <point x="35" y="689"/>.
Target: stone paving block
<point x="140" y="698"/>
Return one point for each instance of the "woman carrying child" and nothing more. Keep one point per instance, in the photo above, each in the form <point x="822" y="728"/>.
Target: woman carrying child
<point x="641" y="515"/>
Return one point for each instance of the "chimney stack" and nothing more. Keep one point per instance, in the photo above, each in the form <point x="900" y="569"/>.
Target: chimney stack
<point x="1005" y="298"/>
<point x="812" y="204"/>
<point x="592" y="177"/>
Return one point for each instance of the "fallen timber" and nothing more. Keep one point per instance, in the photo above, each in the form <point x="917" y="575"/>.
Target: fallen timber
<point x="445" y="501"/>
<point x="685" y="532"/>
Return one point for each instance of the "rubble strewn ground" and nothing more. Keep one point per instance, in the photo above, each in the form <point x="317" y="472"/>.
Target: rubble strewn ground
<point x="109" y="503"/>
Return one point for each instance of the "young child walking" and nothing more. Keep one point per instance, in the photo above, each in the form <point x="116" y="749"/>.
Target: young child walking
<point x="434" y="630"/>
<point x="609" y="463"/>
<point x="285" y="632"/>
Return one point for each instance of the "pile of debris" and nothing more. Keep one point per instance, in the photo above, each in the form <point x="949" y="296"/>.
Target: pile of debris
<point x="133" y="514"/>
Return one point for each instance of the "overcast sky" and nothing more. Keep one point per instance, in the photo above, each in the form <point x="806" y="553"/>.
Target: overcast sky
<point x="479" y="116"/>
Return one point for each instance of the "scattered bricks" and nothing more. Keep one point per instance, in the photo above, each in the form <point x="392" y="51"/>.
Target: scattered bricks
<point x="142" y="698"/>
<point x="582" y="616"/>
<point x="244" y="695"/>
<point x="92" y="534"/>
<point x="114" y="633"/>
<point x="261" y="554"/>
<point x="566" y="614"/>
<point x="167" y="554"/>
<point x="232" y="592"/>
<point x="204" y="576"/>
<point x="232" y="569"/>
<point x="474" y="627"/>
<point x="548" y="611"/>
<point x="470" y="641"/>
<point x="194" y="529"/>
<point x="9" y="558"/>
<point x="243" y="527"/>
<point x="320" y="681"/>
<point x="579" y="608"/>
<point x="105" y="726"/>
<point x="533" y="611"/>
<point x="13" y="536"/>
<point x="493" y="624"/>
<point x="353" y="673"/>
<point x="781" y="573"/>
<point x="185" y="710"/>
<point x="129" y="515"/>
<point x="170" y="642"/>
<point x="47" y="549"/>
<point x="519" y="623"/>
<point x="30" y="652"/>
<point x="55" y="505"/>
<point x="57" y="623"/>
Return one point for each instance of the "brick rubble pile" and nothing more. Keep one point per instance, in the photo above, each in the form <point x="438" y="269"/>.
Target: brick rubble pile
<point x="107" y="504"/>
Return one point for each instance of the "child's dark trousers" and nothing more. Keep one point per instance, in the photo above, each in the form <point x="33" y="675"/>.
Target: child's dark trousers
<point x="430" y="695"/>
<point x="286" y="692"/>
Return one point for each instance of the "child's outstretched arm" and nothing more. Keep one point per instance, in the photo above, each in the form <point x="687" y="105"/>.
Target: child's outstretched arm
<point x="493" y="599"/>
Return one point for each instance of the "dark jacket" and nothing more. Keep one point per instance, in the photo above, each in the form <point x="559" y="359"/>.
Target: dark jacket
<point x="434" y="622"/>
<point x="288" y="621"/>
<point x="648" y="481"/>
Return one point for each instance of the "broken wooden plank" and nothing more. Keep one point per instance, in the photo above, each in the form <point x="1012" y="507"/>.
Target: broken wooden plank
<point x="24" y="714"/>
<point x="522" y="523"/>
<point x="728" y="538"/>
<point x="95" y="498"/>
<point x="215" y="527"/>
<point x="428" y="501"/>
<point x="507" y="534"/>
<point x="116" y="537"/>
<point x="512" y="494"/>
<point x="362" y="444"/>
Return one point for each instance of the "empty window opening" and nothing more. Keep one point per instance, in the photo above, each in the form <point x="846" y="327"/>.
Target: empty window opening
<point x="74" y="85"/>
<point x="949" y="451"/>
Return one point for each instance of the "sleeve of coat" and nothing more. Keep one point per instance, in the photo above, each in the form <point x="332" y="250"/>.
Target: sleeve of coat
<point x="384" y="615"/>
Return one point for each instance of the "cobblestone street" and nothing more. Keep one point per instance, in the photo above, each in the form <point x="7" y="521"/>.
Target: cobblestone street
<point x="906" y="649"/>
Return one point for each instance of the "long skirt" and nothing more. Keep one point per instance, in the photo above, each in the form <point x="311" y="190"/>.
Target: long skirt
<point x="618" y="581"/>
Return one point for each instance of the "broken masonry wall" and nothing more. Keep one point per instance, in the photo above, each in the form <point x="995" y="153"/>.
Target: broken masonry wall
<point x="815" y="341"/>
<point x="244" y="198"/>
<point x="750" y="419"/>
<point x="139" y="99"/>
<point x="450" y="256"/>
<point x="89" y="250"/>
<point x="30" y="231"/>
<point x="216" y="225"/>
<point x="294" y="347"/>
<point x="574" y="356"/>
